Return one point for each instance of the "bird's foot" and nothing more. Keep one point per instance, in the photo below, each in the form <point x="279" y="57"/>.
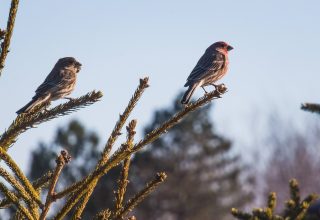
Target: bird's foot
<point x="205" y="91"/>
<point x="219" y="87"/>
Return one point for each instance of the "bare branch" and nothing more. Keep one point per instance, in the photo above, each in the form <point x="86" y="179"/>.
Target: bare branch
<point x="61" y="160"/>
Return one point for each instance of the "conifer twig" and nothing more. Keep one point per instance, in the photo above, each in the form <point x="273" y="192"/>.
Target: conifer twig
<point x="61" y="160"/>
<point x="15" y="201"/>
<point x="19" y="188"/>
<point x="8" y="34"/>
<point x="105" y="154"/>
<point x="121" y="154"/>
<point x="24" y="122"/>
<point x="19" y="174"/>
<point x="133" y="202"/>
<point x="36" y="184"/>
<point x="123" y="180"/>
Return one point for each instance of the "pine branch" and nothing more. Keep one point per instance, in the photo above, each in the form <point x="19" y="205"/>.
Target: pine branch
<point x="105" y="154"/>
<point x="121" y="154"/>
<point x="311" y="107"/>
<point x="37" y="184"/>
<point x="8" y="34"/>
<point x="140" y="196"/>
<point x="123" y="180"/>
<point x="61" y="160"/>
<point x="19" y="174"/>
<point x="15" y="201"/>
<point x="19" y="188"/>
<point x="122" y="120"/>
<point x="24" y="122"/>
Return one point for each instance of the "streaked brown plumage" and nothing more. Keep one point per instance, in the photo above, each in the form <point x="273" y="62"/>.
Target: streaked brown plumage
<point x="59" y="83"/>
<point x="211" y="67"/>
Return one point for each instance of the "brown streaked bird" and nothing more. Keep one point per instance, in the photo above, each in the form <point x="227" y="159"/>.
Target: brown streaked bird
<point x="59" y="83"/>
<point x="211" y="67"/>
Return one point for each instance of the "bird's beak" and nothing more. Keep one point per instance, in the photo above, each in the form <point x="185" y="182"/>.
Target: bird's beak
<point x="78" y="64"/>
<point x="229" y="48"/>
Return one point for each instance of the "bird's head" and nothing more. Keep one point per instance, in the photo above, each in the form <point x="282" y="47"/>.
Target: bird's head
<point x="69" y="63"/>
<point x="220" y="46"/>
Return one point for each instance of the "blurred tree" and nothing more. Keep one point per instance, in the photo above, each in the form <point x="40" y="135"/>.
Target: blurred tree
<point x="204" y="179"/>
<point x="295" y="154"/>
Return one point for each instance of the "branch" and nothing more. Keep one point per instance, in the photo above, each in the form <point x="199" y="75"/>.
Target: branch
<point x="122" y="119"/>
<point x="105" y="154"/>
<point x="36" y="184"/>
<point x="140" y="196"/>
<point x="19" y="174"/>
<point x="123" y="180"/>
<point x="10" y="25"/>
<point x="15" y="201"/>
<point x="311" y="107"/>
<point x="62" y="159"/>
<point x="21" y="191"/>
<point x="24" y="122"/>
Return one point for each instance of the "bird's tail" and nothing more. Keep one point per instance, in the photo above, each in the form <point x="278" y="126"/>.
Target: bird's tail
<point x="187" y="95"/>
<point x="33" y="103"/>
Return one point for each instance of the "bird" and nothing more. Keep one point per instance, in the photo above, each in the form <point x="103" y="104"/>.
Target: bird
<point x="211" y="67"/>
<point x="58" y="84"/>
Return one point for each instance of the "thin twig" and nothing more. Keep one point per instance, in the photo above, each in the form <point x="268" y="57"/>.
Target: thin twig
<point x="61" y="160"/>
<point x="10" y="25"/>
<point x="150" y="187"/>
<point x="24" y="122"/>
<point x="123" y="180"/>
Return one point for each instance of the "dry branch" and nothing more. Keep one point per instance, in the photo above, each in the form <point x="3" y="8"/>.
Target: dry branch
<point x="62" y="159"/>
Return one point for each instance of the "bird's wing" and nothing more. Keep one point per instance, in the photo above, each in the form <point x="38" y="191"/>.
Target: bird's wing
<point x="51" y="81"/>
<point x="206" y="65"/>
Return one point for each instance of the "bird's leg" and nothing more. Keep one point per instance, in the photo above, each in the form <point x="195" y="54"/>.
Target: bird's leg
<point x="204" y="90"/>
<point x="69" y="98"/>
<point x="215" y="86"/>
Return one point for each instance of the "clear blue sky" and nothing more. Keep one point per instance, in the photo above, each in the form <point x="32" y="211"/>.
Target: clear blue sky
<point x="274" y="64"/>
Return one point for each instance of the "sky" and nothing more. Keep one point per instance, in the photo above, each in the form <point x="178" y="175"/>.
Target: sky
<point x="274" y="65"/>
